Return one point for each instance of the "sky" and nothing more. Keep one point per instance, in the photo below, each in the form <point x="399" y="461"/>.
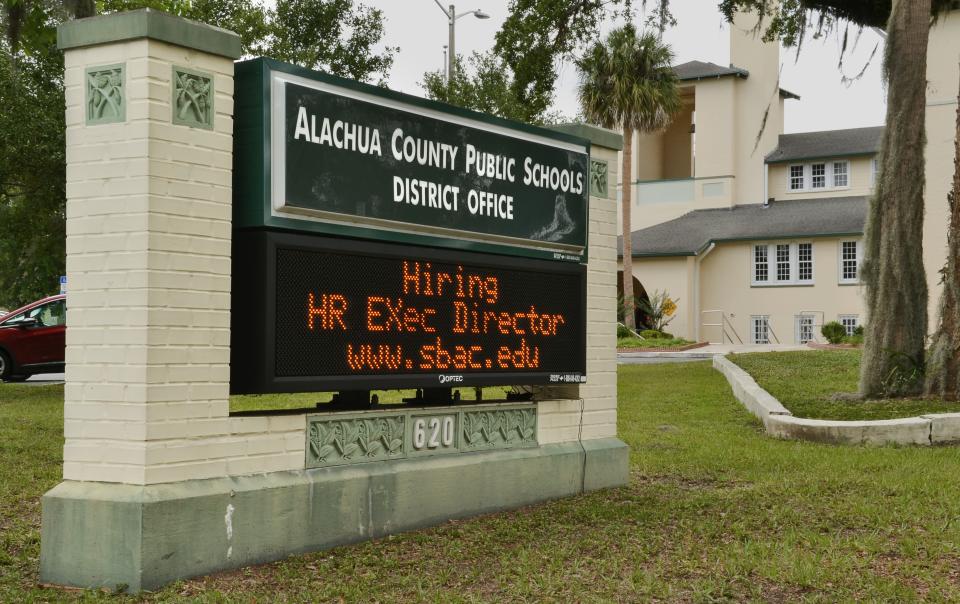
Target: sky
<point x="419" y="28"/>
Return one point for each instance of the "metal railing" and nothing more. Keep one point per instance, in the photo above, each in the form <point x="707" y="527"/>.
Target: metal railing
<point x="724" y="325"/>
<point x="770" y="332"/>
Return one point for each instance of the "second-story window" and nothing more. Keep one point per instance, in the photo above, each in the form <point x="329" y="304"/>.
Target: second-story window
<point x="849" y="262"/>
<point x="761" y="268"/>
<point x="782" y="264"/>
<point x="818" y="176"/>
<point x="796" y="178"/>
<point x="841" y="174"/>
<point x="804" y="262"/>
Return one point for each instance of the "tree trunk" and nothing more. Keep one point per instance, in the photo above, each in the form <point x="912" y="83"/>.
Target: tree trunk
<point x="944" y="364"/>
<point x="629" y="304"/>
<point x="896" y="288"/>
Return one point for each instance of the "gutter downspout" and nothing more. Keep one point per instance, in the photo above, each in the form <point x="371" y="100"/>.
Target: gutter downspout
<point x="766" y="184"/>
<point x="696" y="290"/>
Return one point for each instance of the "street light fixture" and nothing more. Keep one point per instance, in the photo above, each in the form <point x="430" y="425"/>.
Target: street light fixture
<point x="452" y="17"/>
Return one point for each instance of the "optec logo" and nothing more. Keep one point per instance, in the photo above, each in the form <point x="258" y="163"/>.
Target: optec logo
<point x="450" y="378"/>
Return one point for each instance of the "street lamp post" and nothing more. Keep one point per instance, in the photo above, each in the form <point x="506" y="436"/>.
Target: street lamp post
<point x="452" y="17"/>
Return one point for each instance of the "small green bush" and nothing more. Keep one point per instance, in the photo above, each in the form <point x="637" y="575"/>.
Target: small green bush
<point x="623" y="331"/>
<point x="834" y="332"/>
<point x="856" y="340"/>
<point x="858" y="331"/>
<point x="653" y="334"/>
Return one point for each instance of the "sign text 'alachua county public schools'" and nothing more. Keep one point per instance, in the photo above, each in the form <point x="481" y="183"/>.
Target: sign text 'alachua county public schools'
<point x="368" y="159"/>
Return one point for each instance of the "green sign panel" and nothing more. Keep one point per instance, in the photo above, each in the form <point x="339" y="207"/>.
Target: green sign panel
<point x="354" y="159"/>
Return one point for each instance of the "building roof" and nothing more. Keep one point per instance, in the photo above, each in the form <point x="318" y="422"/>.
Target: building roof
<point x="829" y="143"/>
<point x="698" y="70"/>
<point x="691" y="233"/>
<point x="702" y="70"/>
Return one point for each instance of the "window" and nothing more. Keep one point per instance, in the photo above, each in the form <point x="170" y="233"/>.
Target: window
<point x="841" y="174"/>
<point x="760" y="329"/>
<point x="51" y="314"/>
<point x="818" y="176"/>
<point x="782" y="264"/>
<point x="849" y="262"/>
<point x="796" y="178"/>
<point x="874" y="171"/>
<point x="804" y="329"/>
<point x="804" y="262"/>
<point x="850" y="323"/>
<point x="761" y="269"/>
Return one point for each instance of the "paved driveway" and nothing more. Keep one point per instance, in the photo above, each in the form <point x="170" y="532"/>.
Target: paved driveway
<point x="43" y="379"/>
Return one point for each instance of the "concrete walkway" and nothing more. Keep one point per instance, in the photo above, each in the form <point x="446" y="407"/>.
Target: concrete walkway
<point x="707" y="352"/>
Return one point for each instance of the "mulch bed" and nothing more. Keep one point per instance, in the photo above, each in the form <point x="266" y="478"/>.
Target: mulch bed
<point x="666" y="348"/>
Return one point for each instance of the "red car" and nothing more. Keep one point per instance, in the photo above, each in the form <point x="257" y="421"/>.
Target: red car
<point x="32" y="339"/>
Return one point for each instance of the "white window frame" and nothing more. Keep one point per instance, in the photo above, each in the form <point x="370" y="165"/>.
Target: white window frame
<point x="859" y="261"/>
<point x="754" y="320"/>
<point x="806" y="181"/>
<point x="825" y="176"/>
<point x="754" y="264"/>
<point x="813" y="263"/>
<point x="798" y="328"/>
<point x="833" y="174"/>
<point x="874" y="171"/>
<point x="790" y="177"/>
<point x="772" y="264"/>
<point x="854" y="318"/>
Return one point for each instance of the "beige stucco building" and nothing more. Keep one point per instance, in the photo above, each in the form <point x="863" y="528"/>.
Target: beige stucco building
<point x="758" y="234"/>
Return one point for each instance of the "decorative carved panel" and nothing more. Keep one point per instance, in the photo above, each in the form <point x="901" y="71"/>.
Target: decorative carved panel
<point x="192" y="98"/>
<point x="106" y="95"/>
<point x="598" y="178"/>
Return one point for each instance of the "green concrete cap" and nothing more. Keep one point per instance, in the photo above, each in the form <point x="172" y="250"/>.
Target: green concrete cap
<point x="598" y="137"/>
<point x="149" y="23"/>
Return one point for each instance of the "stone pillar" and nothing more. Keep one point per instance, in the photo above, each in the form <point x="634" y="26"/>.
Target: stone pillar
<point x="588" y="412"/>
<point x="149" y="157"/>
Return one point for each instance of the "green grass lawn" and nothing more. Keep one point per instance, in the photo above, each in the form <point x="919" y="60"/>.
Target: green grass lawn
<point x="808" y="382"/>
<point x="652" y="343"/>
<point x="715" y="512"/>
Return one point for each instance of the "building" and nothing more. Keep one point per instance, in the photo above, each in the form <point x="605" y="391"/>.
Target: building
<point x="758" y="234"/>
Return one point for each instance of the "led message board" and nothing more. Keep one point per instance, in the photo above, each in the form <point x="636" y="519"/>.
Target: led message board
<point x="320" y="313"/>
<point x="358" y="160"/>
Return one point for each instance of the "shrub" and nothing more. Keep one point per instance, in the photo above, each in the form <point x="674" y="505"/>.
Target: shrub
<point x="623" y="331"/>
<point x="858" y="331"/>
<point x="855" y="339"/>
<point x="833" y="332"/>
<point x="660" y="309"/>
<point x="653" y="334"/>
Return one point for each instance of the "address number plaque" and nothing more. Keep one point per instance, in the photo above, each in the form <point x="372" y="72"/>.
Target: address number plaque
<point x="402" y="433"/>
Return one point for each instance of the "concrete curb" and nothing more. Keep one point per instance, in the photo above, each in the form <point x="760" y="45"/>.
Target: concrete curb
<point x="667" y="355"/>
<point x="931" y="429"/>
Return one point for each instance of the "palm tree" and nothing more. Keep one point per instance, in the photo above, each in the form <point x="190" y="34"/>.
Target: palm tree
<point x="627" y="82"/>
